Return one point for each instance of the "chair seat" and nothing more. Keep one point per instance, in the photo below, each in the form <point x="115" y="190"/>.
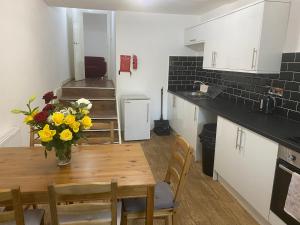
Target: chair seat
<point x="31" y="217"/>
<point x="163" y="199"/>
<point x="103" y="216"/>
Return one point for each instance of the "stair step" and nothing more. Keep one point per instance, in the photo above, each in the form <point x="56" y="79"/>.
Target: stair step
<point x="96" y="140"/>
<point x="90" y="83"/>
<point x="96" y="122"/>
<point x="92" y="99"/>
<point x="103" y="105"/>
<point x="103" y="115"/>
<point x="100" y="130"/>
<point x="92" y="133"/>
<point x="89" y="93"/>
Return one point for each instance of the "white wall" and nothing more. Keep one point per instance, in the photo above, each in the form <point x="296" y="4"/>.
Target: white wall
<point x="34" y="56"/>
<point x="153" y="38"/>
<point x="95" y="35"/>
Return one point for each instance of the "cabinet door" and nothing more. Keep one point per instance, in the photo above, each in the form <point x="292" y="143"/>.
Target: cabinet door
<point x="227" y="160"/>
<point x="220" y="48"/>
<point x="171" y="109"/>
<point x="258" y="157"/>
<point x="179" y="112"/>
<point x="190" y="126"/>
<point x="209" y="45"/>
<point x="245" y="28"/>
<point x="193" y="35"/>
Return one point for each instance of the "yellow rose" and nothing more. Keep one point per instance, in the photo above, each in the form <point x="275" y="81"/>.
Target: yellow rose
<point x="75" y="126"/>
<point x="58" y="118"/>
<point x="86" y="122"/>
<point x="46" y="134"/>
<point x="28" y="119"/>
<point x="66" y="135"/>
<point x="69" y="119"/>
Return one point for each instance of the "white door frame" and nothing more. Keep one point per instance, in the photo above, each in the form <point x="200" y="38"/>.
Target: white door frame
<point x="110" y="37"/>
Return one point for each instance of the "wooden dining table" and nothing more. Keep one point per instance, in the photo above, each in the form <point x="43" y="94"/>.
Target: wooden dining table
<point x="29" y="169"/>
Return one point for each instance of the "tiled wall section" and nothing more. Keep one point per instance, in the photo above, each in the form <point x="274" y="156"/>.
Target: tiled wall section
<point x="243" y="88"/>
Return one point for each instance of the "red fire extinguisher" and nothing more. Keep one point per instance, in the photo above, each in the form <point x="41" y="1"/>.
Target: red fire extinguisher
<point x="134" y="62"/>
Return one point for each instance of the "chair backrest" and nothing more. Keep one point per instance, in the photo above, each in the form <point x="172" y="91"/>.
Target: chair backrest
<point x="12" y="197"/>
<point x="179" y="166"/>
<point x="101" y="126"/>
<point x="80" y="193"/>
<point x="34" y="139"/>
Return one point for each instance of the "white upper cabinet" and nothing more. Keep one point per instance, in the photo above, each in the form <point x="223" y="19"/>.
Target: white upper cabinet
<point x="193" y="35"/>
<point x="249" y="39"/>
<point x="245" y="28"/>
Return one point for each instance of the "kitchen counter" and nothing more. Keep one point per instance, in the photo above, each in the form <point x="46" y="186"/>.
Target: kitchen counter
<point x="273" y="127"/>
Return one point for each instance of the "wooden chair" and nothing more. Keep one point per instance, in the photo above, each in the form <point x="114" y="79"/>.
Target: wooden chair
<point x="167" y="193"/>
<point x="84" y="213"/>
<point x="98" y="127"/>
<point x="18" y="216"/>
<point x="34" y="139"/>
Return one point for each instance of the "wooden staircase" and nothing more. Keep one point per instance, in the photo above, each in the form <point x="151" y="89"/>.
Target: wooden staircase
<point x="101" y="93"/>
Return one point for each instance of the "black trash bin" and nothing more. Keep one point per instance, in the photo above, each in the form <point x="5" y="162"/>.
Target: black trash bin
<point x="208" y="140"/>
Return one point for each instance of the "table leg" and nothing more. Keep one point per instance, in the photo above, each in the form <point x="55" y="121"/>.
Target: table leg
<point x="150" y="205"/>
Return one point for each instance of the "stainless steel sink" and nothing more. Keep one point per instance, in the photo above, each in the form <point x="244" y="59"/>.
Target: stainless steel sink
<point x="195" y="94"/>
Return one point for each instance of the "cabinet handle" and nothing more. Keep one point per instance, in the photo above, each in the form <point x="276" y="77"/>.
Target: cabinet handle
<point x="195" y="114"/>
<point x="147" y="112"/>
<point x="192" y="40"/>
<point x="212" y="59"/>
<point x="237" y="138"/>
<point x="253" y="63"/>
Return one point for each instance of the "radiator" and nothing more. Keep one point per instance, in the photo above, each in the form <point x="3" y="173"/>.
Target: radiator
<point x="11" y="137"/>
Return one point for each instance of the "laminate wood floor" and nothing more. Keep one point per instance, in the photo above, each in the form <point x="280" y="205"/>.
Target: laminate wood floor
<point x="203" y="201"/>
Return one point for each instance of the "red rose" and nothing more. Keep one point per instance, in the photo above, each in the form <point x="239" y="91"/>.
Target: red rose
<point x="41" y="117"/>
<point x="49" y="107"/>
<point x="49" y="96"/>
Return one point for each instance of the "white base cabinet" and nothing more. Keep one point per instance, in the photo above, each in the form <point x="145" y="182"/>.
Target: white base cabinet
<point x="187" y="120"/>
<point x="246" y="161"/>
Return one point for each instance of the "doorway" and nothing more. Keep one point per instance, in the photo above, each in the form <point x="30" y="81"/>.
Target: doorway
<point x="96" y="49"/>
<point x="94" y="45"/>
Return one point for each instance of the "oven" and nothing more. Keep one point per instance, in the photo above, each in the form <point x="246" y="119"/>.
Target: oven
<point x="288" y="162"/>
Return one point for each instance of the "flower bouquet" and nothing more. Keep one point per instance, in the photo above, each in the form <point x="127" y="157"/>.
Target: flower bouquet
<point x="58" y="127"/>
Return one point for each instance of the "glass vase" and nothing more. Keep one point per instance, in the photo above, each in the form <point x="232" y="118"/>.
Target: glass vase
<point x="63" y="156"/>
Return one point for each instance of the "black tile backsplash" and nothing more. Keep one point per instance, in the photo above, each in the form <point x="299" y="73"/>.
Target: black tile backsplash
<point x="245" y="88"/>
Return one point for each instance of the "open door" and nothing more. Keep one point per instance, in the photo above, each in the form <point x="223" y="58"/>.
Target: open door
<point x="78" y="43"/>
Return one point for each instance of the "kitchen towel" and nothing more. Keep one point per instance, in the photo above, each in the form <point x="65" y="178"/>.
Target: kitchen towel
<point x="292" y="202"/>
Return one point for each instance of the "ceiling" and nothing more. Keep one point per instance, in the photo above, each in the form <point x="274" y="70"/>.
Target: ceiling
<point x="193" y="7"/>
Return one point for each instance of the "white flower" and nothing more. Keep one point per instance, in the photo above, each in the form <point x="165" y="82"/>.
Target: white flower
<point x="71" y="111"/>
<point x="86" y="102"/>
<point x="64" y="111"/>
<point x="49" y="119"/>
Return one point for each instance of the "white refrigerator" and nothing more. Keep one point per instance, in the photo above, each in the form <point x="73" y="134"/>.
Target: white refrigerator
<point x="136" y="117"/>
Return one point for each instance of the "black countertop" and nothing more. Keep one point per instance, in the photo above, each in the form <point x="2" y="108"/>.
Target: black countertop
<point x="273" y="127"/>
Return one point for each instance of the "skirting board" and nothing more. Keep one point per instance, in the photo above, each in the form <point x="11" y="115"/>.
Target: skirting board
<point x="243" y="202"/>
